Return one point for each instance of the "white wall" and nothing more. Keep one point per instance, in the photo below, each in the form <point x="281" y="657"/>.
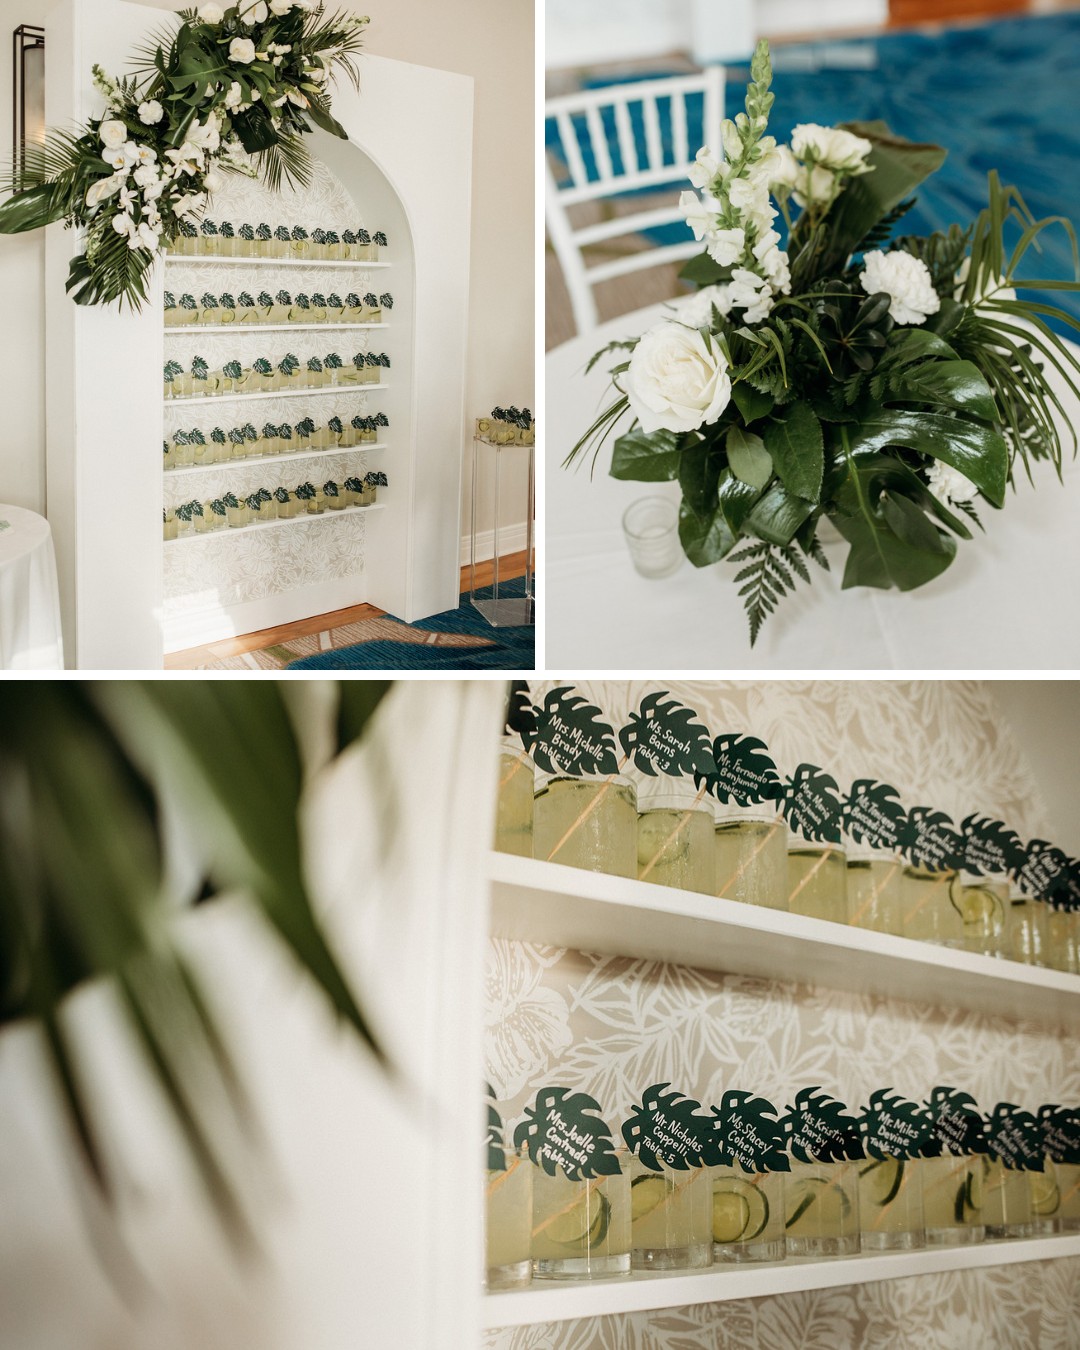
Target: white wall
<point x="1044" y="715"/>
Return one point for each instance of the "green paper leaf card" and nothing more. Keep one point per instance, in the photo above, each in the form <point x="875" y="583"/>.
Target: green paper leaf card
<point x="1015" y="1138"/>
<point x="1060" y="1126"/>
<point x="749" y="1134"/>
<point x="990" y="848"/>
<point x="1065" y="892"/>
<point x="811" y="805"/>
<point x="1042" y="869"/>
<point x="933" y="841"/>
<point x="665" y="1129"/>
<point x="571" y="738"/>
<point x="665" y="738"/>
<point x="873" y="815"/>
<point x="520" y="715"/>
<point x="819" y="1128"/>
<point x="958" y="1127"/>
<point x="564" y="1130"/>
<point x="496" y="1149"/>
<point x="743" y="772"/>
<point x="893" y="1127"/>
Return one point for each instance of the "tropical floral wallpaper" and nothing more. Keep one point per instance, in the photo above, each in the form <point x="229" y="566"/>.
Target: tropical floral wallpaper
<point x="611" y="1026"/>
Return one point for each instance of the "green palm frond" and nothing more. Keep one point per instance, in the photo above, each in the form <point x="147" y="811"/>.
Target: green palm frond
<point x="288" y="161"/>
<point x="337" y="31"/>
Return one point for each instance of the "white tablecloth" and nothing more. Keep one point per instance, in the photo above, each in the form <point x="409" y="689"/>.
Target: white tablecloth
<point x="29" y="601"/>
<point x="1009" y="600"/>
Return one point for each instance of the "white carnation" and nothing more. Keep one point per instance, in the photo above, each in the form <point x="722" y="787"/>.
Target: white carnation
<point x="834" y="148"/>
<point x="677" y="379"/>
<point x="905" y="280"/>
<point x="113" y="134"/>
<point x="696" y="310"/>
<point x="726" y="246"/>
<point x="145" y="175"/>
<point x="242" y="51"/>
<point x="211" y="13"/>
<point x="945" y="481"/>
<point x="151" y="112"/>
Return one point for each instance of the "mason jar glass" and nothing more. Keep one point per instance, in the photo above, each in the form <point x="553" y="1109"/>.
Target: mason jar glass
<point x="581" y="1229"/>
<point x="508" y="1223"/>
<point x="1006" y="1201"/>
<point x="891" y="1203"/>
<point x="747" y="1215"/>
<point x="750" y="856"/>
<point x="1062" y="937"/>
<point x="821" y="1201"/>
<point x="875" y="889"/>
<point x="1067" y="1176"/>
<point x="587" y="822"/>
<point x="930" y="914"/>
<point x="953" y="1200"/>
<point x="983" y="913"/>
<point x="670" y="1218"/>
<point x="1025" y="935"/>
<point x="514" y="806"/>
<point x="675" y="841"/>
<point x="817" y="880"/>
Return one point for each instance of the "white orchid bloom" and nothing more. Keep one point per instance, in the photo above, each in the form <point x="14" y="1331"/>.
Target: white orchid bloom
<point x="123" y="224"/>
<point x="104" y="188"/>
<point x="253" y="13"/>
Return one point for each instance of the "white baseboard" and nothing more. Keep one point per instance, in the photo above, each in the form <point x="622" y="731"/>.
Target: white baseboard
<point x="511" y="540"/>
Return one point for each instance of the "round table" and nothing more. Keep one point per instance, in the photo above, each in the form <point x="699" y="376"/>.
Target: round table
<point x="30" y="636"/>
<point x="1007" y="602"/>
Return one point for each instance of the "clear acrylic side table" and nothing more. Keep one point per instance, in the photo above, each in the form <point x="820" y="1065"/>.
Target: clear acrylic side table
<point x="503" y="611"/>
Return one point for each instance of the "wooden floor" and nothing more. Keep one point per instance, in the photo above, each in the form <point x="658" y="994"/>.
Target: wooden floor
<point x="196" y="658"/>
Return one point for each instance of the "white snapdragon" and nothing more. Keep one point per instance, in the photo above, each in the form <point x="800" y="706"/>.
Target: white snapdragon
<point x="751" y="292"/>
<point x="242" y="51"/>
<point x="677" y="379"/>
<point x="211" y="13"/>
<point x="113" y="134"/>
<point x="950" y="483"/>
<point x="151" y="112"/>
<point x="726" y="247"/>
<point x="906" y="280"/>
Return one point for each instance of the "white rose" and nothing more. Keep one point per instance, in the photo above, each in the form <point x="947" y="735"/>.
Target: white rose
<point x="113" y="134"/>
<point x="104" y="188"/>
<point x="242" y="51"/>
<point x="831" y="146"/>
<point x="677" y="379"/>
<point x="696" y="310"/>
<point x="704" y="169"/>
<point x="726" y="246"/>
<point x="254" y="13"/>
<point x="151" y="112"/>
<point x="905" y="280"/>
<point x="211" y="13"/>
<point x="945" y="481"/>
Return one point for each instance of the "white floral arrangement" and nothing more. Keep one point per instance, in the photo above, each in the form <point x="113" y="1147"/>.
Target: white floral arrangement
<point x="892" y="384"/>
<point x="232" y="90"/>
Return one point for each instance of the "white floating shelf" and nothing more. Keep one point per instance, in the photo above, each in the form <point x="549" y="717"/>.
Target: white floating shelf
<point x="265" y="525"/>
<point x="536" y="901"/>
<point x="262" y="327"/>
<point x="276" y="459"/>
<point x="552" y="1301"/>
<point x="277" y="393"/>
<point x="269" y="262"/>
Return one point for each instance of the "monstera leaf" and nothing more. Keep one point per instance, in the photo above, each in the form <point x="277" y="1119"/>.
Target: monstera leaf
<point x="750" y="1133"/>
<point x="520" y="717"/>
<point x="1015" y="1137"/>
<point x="663" y="737"/>
<point x="893" y="1127"/>
<point x="571" y="738"/>
<point x="496" y="1151"/>
<point x="958" y="1126"/>
<point x="874" y="815"/>
<point x="820" y="1128"/>
<point x="1065" y="892"/>
<point x="990" y="847"/>
<point x="811" y="805"/>
<point x="742" y="773"/>
<point x="1060" y="1126"/>
<point x="665" y="1130"/>
<point x="1042" y="869"/>
<point x="564" y="1129"/>
<point x="933" y="841"/>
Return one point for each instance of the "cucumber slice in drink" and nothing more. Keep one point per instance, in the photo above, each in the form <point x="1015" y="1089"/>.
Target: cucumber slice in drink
<point x="973" y="1191"/>
<point x="884" y="1179"/>
<point x="826" y="1195"/>
<point x="1045" y="1196"/>
<point x="577" y="1227"/>
<point x="978" y="908"/>
<point x="740" y="1211"/>
<point x="646" y="1194"/>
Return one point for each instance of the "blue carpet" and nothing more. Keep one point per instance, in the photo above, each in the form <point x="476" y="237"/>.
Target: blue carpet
<point x="1002" y="95"/>
<point x="513" y="649"/>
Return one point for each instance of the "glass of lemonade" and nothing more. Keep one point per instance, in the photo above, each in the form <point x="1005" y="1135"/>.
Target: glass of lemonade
<point x="953" y="1200"/>
<point x="930" y="914"/>
<point x="817" y="880"/>
<point x="1025" y="930"/>
<point x="1045" y="1187"/>
<point x="821" y="1203"/>
<point x="982" y="909"/>
<point x="581" y="1229"/>
<point x="514" y="807"/>
<point x="1062" y="939"/>
<point x="750" y="856"/>
<point x="587" y="822"/>
<point x="508" y="1223"/>
<point x="874" y="889"/>
<point x="670" y="1218"/>
<point x="747" y="1215"/>
<point x="675" y="841"/>
<point x="891" y="1203"/>
<point x="1006" y="1200"/>
<point x="1067" y="1177"/>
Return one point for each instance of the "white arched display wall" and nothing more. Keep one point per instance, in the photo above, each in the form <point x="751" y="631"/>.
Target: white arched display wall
<point x="407" y="168"/>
